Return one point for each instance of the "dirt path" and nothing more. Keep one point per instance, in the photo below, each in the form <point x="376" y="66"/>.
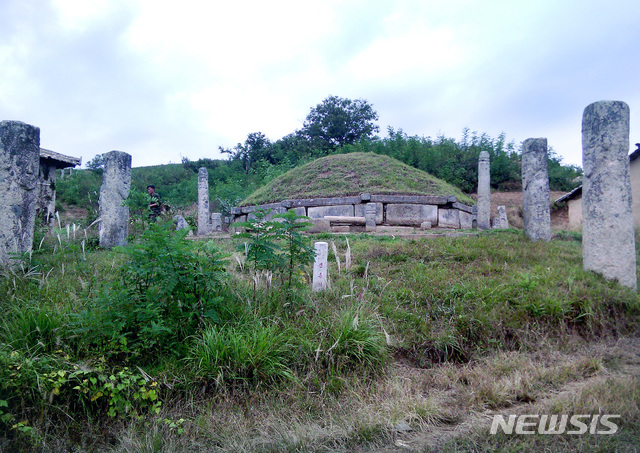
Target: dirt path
<point x="621" y="359"/>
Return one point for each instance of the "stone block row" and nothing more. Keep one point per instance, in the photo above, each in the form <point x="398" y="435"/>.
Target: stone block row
<point x="380" y="209"/>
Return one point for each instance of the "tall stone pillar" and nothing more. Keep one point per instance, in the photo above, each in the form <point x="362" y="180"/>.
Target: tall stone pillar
<point x="116" y="184"/>
<point x="484" y="191"/>
<point x="19" y="165"/>
<point x="204" y="226"/>
<point x="535" y="190"/>
<point x="608" y="243"/>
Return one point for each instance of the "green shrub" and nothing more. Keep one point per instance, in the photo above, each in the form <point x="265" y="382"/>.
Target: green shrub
<point x="167" y="288"/>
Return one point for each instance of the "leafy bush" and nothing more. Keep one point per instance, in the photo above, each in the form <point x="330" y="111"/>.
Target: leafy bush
<point x="276" y="246"/>
<point x="167" y="287"/>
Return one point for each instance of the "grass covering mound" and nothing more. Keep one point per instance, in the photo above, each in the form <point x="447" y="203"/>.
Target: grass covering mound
<point x="352" y="174"/>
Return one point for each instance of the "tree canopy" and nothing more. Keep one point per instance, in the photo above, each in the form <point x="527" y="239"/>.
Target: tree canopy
<point x="337" y="121"/>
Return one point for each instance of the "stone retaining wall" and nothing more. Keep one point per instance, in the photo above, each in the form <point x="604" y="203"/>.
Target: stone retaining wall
<point x="392" y="210"/>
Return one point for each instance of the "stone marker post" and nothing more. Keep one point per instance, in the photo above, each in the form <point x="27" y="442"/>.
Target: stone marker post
<point x="608" y="243"/>
<point x="502" y="220"/>
<point x="116" y="183"/>
<point x="19" y="166"/>
<point x="216" y="221"/>
<point x="484" y="191"/>
<point x="320" y="266"/>
<point x="370" y="216"/>
<point x="204" y="226"/>
<point x="535" y="190"/>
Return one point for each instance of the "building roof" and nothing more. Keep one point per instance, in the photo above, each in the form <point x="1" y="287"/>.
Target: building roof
<point x="577" y="192"/>
<point x="60" y="160"/>
<point x="634" y="155"/>
<point x="571" y="195"/>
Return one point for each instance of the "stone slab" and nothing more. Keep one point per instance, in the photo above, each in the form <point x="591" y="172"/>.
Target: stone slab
<point x="448" y="218"/>
<point x="411" y="214"/>
<point x="344" y="219"/>
<point x="462" y="207"/>
<point x="318" y="212"/>
<point x="320" y="226"/>
<point x="466" y="220"/>
<point x="359" y="211"/>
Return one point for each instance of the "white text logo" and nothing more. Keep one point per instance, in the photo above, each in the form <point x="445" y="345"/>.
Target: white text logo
<point x="555" y="424"/>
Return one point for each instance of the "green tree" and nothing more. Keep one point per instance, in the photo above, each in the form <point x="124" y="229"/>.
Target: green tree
<point x="337" y="121"/>
<point x="97" y="163"/>
<point x="254" y="148"/>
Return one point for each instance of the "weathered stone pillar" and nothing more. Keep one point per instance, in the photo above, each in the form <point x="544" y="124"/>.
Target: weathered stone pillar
<point x="484" y="191"/>
<point x="204" y="226"/>
<point x="116" y="183"/>
<point x="608" y="243"/>
<point x="216" y="221"/>
<point x="370" y="216"/>
<point x="320" y="266"/>
<point x="535" y="190"/>
<point x="19" y="164"/>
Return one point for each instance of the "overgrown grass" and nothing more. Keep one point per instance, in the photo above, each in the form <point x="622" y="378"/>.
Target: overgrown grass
<point x="279" y="370"/>
<point x="352" y="174"/>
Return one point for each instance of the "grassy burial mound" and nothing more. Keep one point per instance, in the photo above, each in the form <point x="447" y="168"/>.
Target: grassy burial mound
<point x="352" y="174"/>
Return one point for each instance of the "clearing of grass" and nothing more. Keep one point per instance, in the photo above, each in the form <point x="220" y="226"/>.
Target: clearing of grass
<point x="183" y="346"/>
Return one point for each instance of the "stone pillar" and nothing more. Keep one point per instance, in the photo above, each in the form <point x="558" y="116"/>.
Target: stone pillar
<point x="204" y="226"/>
<point x="535" y="190"/>
<point x="116" y="183"/>
<point x="320" y="266"/>
<point x="608" y="243"/>
<point x="484" y="191"/>
<point x="19" y="164"/>
<point x="370" y="216"/>
<point x="216" y="221"/>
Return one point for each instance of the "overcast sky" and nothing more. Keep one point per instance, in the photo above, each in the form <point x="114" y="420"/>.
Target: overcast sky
<point x="164" y="80"/>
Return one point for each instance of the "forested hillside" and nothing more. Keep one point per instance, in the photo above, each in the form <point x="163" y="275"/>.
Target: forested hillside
<point x="336" y="126"/>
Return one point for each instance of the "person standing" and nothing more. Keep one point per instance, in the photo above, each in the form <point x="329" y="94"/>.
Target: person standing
<point x="155" y="206"/>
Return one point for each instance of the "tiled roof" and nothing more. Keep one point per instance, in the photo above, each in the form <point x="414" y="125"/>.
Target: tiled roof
<point x="64" y="161"/>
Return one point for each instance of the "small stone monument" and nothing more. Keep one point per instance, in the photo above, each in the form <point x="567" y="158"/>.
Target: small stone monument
<point x="370" y="216"/>
<point x="19" y="165"/>
<point x="320" y="266"/>
<point x="204" y="226"/>
<point x="535" y="190"/>
<point x="216" y="222"/>
<point x="608" y="243"/>
<point x="182" y="224"/>
<point x="501" y="221"/>
<point x="484" y="192"/>
<point x="116" y="183"/>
